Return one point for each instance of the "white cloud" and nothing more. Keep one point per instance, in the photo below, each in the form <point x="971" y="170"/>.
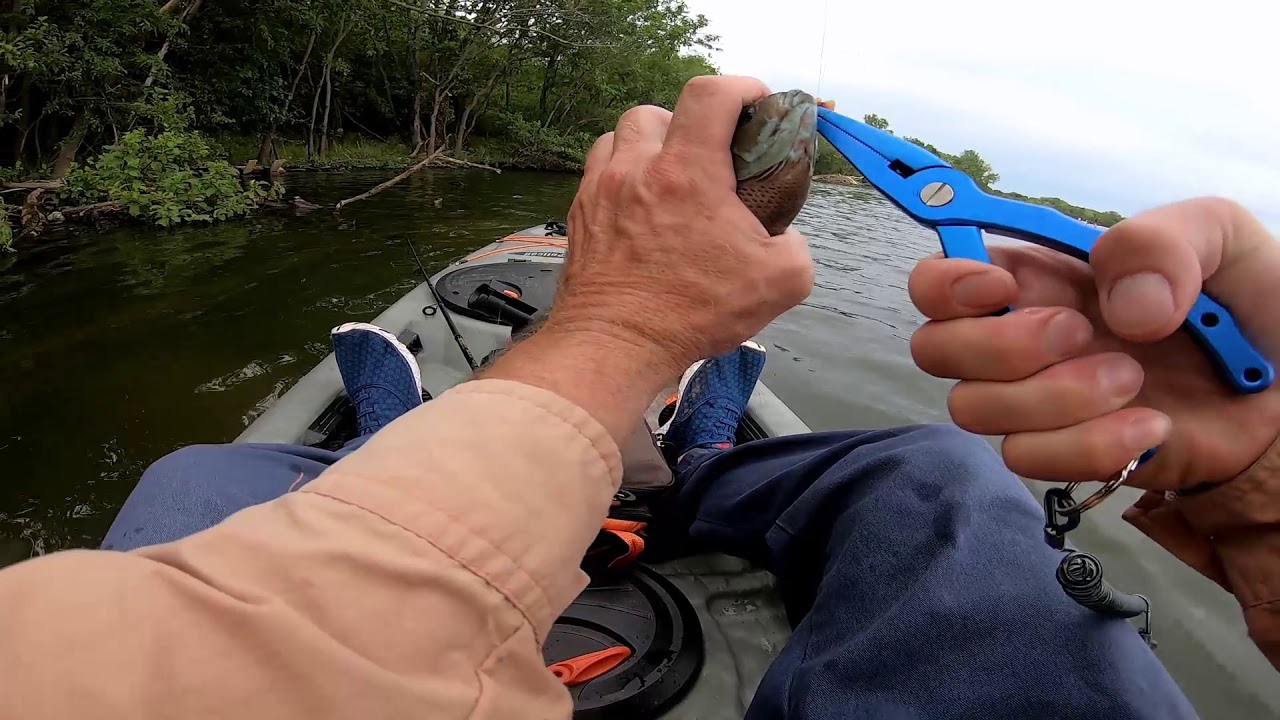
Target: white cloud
<point x="1118" y="104"/>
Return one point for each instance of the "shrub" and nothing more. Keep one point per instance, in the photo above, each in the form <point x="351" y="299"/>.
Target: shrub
<point x="525" y="143"/>
<point x="168" y="178"/>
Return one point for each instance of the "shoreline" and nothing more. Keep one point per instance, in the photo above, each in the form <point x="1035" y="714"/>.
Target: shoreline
<point x="835" y="179"/>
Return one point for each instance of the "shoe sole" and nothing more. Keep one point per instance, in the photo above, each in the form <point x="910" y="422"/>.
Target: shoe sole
<point x="688" y="377"/>
<point x="395" y="343"/>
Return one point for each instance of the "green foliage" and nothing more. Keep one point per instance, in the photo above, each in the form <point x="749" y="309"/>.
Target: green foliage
<point x="925" y="145"/>
<point x="359" y="152"/>
<point x="88" y="57"/>
<point x="527" y="83"/>
<point x="972" y="164"/>
<point x="526" y="76"/>
<point x="6" y="234"/>
<point x="877" y="122"/>
<point x="527" y="144"/>
<point x="1097" y="217"/>
<point x="977" y="167"/>
<point x="348" y="152"/>
<point x="829" y="161"/>
<point x="169" y="178"/>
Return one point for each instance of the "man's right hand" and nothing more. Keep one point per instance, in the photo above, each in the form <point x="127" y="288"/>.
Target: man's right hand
<point x="662" y="253"/>
<point x="666" y="266"/>
<point x="1092" y="370"/>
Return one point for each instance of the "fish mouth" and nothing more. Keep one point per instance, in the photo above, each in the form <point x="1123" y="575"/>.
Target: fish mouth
<point x="779" y="131"/>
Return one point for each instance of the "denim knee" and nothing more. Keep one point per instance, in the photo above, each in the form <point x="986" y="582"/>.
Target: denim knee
<point x="958" y="457"/>
<point x="188" y="470"/>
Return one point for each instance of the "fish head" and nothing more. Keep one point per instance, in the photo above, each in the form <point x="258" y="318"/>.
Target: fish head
<point x="773" y="154"/>
<point x="780" y="129"/>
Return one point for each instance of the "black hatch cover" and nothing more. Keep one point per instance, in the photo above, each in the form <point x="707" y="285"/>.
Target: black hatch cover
<point x="534" y="282"/>
<point x="641" y="611"/>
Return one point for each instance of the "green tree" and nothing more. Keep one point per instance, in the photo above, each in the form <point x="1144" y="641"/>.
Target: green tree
<point x="86" y="86"/>
<point x="82" y="72"/>
<point x="972" y="164"/>
<point x="876" y="122"/>
<point x="925" y="145"/>
<point x="829" y="161"/>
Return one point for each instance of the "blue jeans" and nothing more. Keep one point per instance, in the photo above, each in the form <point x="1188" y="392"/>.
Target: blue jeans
<point x="911" y="563"/>
<point x="197" y="487"/>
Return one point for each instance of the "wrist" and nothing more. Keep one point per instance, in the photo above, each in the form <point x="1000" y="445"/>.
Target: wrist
<point x="624" y="342"/>
<point x="1249" y="500"/>
<point x="600" y="368"/>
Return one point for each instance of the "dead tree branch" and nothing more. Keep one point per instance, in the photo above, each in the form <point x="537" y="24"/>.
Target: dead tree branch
<point x="464" y="163"/>
<point x="366" y="195"/>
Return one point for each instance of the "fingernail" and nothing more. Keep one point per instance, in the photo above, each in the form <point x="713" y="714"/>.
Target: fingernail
<point x="977" y="291"/>
<point x="1119" y="378"/>
<point x="1065" y="335"/>
<point x="1139" y="303"/>
<point x="1145" y="433"/>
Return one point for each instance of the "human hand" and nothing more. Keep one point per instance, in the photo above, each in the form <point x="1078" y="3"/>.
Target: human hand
<point x="1091" y="370"/>
<point x="663" y="256"/>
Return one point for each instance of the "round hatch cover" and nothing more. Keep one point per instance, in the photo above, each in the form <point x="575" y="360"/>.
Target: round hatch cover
<point x="645" y="613"/>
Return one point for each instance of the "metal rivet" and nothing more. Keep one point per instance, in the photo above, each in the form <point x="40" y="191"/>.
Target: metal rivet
<point x="937" y="194"/>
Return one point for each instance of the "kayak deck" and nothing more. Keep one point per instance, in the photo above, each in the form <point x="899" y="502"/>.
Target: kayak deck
<point x="743" y="623"/>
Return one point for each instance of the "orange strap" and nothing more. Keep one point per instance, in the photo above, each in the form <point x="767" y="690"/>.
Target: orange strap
<point x="635" y="547"/>
<point x="584" y="668"/>
<point x="627" y="526"/>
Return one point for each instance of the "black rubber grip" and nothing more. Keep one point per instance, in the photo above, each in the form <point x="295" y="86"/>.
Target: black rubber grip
<point x="1080" y="575"/>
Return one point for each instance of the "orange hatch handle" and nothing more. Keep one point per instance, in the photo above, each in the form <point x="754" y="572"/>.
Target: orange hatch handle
<point x="583" y="668"/>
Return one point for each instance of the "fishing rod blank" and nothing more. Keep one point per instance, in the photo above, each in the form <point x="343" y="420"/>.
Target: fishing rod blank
<point x="444" y="312"/>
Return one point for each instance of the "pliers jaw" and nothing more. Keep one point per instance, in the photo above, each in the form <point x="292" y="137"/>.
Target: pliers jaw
<point x="893" y="166"/>
<point x="903" y="158"/>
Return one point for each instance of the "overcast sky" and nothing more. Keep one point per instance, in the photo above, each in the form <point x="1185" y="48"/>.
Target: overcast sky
<point x="1115" y="104"/>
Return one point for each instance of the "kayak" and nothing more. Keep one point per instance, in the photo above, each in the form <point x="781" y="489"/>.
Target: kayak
<point x="698" y="632"/>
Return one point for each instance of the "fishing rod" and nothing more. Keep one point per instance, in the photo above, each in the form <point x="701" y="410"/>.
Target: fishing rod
<point x="448" y="318"/>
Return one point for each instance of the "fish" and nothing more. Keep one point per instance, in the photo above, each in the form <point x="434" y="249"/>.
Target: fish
<point x="773" y="150"/>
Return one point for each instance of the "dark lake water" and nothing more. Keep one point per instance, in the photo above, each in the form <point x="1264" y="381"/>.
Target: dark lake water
<point x="117" y="347"/>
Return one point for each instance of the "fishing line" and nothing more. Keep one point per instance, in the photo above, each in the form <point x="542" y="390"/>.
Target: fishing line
<point x="822" y="51"/>
<point x="444" y="312"/>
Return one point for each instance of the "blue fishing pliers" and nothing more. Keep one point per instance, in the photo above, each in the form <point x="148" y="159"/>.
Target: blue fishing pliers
<point x="941" y="197"/>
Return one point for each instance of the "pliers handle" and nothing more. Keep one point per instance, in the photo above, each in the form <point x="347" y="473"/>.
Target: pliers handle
<point x="941" y="197"/>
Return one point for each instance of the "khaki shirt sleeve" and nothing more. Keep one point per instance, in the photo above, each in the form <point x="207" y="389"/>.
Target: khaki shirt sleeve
<point x="417" y="577"/>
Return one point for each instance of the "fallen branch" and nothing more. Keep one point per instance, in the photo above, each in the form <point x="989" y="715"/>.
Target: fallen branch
<point x="847" y="180"/>
<point x="93" y="210"/>
<point x="35" y="185"/>
<point x="366" y="195"/>
<point x="463" y="163"/>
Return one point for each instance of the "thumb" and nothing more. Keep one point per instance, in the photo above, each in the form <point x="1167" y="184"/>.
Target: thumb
<point x="1150" y="268"/>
